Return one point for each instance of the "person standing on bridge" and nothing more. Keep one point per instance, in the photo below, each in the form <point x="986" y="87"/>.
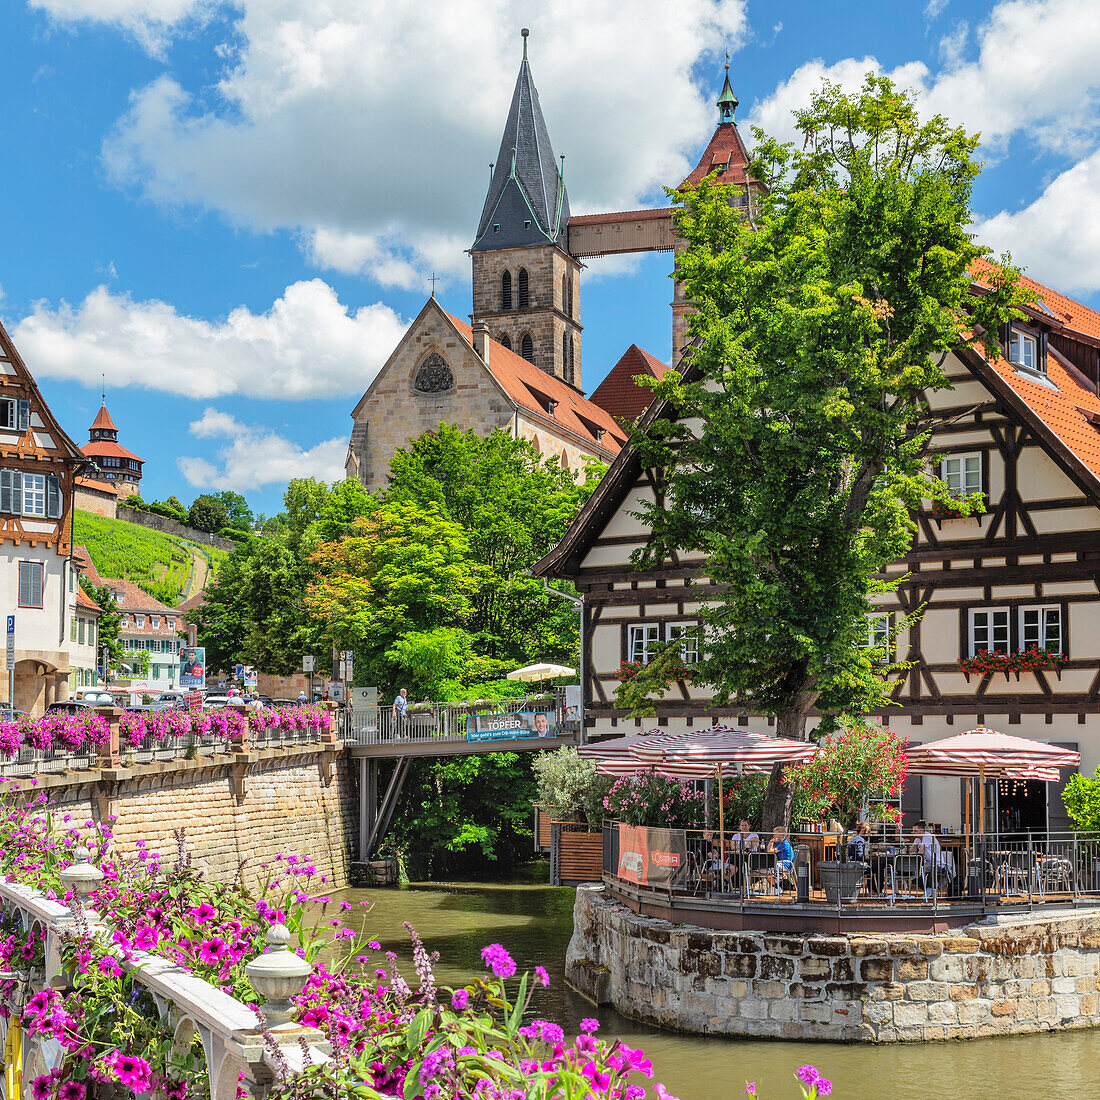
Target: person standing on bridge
<point x="400" y="713"/>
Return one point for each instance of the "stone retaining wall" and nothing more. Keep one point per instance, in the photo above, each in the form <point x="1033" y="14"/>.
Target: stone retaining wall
<point x="299" y="800"/>
<point x="170" y="526"/>
<point x="1004" y="976"/>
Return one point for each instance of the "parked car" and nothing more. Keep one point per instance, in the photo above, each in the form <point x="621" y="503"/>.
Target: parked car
<point x="95" y="698"/>
<point x="8" y="713"/>
<point x="170" y="700"/>
<point x="70" y="706"/>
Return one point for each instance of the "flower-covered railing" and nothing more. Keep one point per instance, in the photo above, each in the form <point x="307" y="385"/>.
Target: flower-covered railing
<point x="985" y="663"/>
<point x="111" y="736"/>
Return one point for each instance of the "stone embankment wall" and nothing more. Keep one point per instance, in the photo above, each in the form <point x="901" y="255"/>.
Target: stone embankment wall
<point x="1025" y="974"/>
<point x="300" y="801"/>
<point x="172" y="527"/>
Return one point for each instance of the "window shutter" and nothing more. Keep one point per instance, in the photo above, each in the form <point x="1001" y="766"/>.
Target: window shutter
<point x="24" y="584"/>
<point x="5" y="490"/>
<point x="37" y="576"/>
<point x="24" y="414"/>
<point x="53" y="497"/>
<point x="17" y="492"/>
<point x="1042" y="364"/>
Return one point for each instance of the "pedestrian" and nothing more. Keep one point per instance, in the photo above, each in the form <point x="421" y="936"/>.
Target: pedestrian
<point x="400" y="713"/>
<point x="302" y="697"/>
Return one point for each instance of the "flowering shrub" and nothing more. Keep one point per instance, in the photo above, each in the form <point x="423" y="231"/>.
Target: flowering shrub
<point x="646" y="798"/>
<point x="984" y="662"/>
<point x="72" y="732"/>
<point x="675" y="670"/>
<point x="859" y="762"/>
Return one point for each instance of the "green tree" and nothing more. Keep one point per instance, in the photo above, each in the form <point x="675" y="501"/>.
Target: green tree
<point x="108" y="622"/>
<point x="514" y="508"/>
<point x="175" y="502"/>
<point x="220" y="619"/>
<point x="402" y="569"/>
<point x="304" y="498"/>
<point x="237" y="512"/>
<point x="207" y="513"/>
<point x="823" y="321"/>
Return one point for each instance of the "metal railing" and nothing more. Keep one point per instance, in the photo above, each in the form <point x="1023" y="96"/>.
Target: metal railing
<point x="988" y="871"/>
<point x="443" y="721"/>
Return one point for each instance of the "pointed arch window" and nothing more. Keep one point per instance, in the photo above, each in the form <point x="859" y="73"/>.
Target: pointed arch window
<point x="524" y="294"/>
<point x="434" y="376"/>
<point x="567" y="357"/>
<point x="564" y="295"/>
<point x="506" y="290"/>
<point x="527" y="347"/>
<point x="505" y="341"/>
<point x="569" y="298"/>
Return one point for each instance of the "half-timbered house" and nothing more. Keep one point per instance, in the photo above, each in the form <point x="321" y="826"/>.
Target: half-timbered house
<point x="1022" y="429"/>
<point x="38" y="583"/>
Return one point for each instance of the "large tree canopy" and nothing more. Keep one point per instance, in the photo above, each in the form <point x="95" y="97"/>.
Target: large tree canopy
<point x="826" y="307"/>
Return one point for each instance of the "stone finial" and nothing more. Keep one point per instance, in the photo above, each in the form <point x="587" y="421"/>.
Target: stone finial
<point x="278" y="975"/>
<point x="81" y="876"/>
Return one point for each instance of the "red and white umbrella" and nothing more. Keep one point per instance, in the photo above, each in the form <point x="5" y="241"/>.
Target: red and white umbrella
<point x="987" y="754"/>
<point x="701" y="752"/>
<point x="613" y="756"/>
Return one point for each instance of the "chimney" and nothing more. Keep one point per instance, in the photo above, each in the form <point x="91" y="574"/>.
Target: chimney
<point x="481" y="340"/>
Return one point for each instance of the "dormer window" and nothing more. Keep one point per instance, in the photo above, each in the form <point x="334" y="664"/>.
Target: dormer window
<point x="552" y="405"/>
<point x="1023" y="350"/>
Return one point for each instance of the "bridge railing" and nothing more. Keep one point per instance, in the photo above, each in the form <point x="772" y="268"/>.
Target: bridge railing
<point x="444" y="721"/>
<point x="232" y="1040"/>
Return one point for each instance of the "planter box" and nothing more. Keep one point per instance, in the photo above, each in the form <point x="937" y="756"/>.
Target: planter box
<point x="841" y="881"/>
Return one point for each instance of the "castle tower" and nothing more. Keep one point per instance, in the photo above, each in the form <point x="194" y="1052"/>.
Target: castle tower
<point x="117" y="465"/>
<point x="526" y="285"/>
<point x="726" y="155"/>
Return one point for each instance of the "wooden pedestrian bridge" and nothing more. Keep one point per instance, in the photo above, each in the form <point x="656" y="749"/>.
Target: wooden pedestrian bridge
<point x="385" y="745"/>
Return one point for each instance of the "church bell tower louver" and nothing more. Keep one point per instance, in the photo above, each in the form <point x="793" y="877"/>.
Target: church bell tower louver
<point x="526" y="285"/>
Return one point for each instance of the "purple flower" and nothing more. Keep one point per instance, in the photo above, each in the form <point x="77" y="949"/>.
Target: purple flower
<point x="750" y="1088"/>
<point x="541" y="976"/>
<point x="807" y="1075"/>
<point x="590" y="1026"/>
<point x="459" y="999"/>
<point x="498" y="960"/>
<point x="824" y="1087"/>
<point x="72" y="1090"/>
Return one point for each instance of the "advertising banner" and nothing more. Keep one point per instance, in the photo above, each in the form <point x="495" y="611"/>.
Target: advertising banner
<point x="652" y="857"/>
<point x="193" y="667"/>
<point x="510" y="727"/>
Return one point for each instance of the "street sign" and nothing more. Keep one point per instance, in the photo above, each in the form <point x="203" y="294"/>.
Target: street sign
<point x="309" y="662"/>
<point x="11" y="642"/>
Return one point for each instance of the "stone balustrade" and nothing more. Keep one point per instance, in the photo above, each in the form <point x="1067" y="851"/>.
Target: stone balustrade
<point x="232" y="1041"/>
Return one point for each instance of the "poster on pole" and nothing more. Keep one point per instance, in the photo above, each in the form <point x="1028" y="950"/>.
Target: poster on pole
<point x="193" y="667"/>
<point x="652" y="857"/>
<point x="11" y="643"/>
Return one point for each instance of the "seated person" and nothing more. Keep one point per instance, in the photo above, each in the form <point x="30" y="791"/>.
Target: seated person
<point x="781" y="846"/>
<point x="745" y="840"/>
<point x="859" y="845"/>
<point x="926" y="845"/>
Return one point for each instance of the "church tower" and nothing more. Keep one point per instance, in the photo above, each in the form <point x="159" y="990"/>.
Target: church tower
<point x="526" y="285"/>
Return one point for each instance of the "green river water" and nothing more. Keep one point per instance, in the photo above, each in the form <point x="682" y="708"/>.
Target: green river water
<point x="535" y="922"/>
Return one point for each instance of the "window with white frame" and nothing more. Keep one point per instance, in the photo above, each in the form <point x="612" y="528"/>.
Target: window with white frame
<point x="1024" y="350"/>
<point x="989" y="630"/>
<point x="878" y="630"/>
<point x="140" y="622"/>
<point x="1041" y="628"/>
<point x="643" y="640"/>
<point x="962" y="474"/>
<point x="34" y="494"/>
<point x="688" y="637"/>
<point x="171" y="624"/>
<point x="156" y="622"/>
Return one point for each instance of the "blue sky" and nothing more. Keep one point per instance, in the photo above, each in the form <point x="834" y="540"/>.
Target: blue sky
<point x="232" y="209"/>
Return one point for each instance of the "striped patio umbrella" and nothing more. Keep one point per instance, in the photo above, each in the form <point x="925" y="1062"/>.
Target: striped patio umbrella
<point x="987" y="754"/>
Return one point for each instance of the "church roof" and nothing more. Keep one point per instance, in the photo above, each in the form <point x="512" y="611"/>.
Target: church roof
<point x="103" y="420"/>
<point x="527" y="202"/>
<point x="725" y="154"/>
<point x="532" y="389"/>
<point x="619" y="394"/>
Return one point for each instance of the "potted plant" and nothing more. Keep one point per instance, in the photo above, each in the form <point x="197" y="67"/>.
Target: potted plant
<point x="858" y="762"/>
<point x="1082" y="801"/>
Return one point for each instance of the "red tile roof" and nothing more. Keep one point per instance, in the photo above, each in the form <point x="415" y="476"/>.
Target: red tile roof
<point x="619" y="394"/>
<point x="1065" y="310"/>
<point x="133" y="599"/>
<point x="96" y="486"/>
<point x="191" y="603"/>
<point x="523" y="382"/>
<point x="85" y="602"/>
<point x="100" y="448"/>
<point x="633" y="215"/>
<point x="725" y="148"/>
<point x="103" y="420"/>
<point x="85" y="564"/>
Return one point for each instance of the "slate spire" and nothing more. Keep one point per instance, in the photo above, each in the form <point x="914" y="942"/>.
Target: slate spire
<point x="527" y="203"/>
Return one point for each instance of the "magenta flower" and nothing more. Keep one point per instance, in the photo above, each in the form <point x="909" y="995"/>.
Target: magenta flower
<point x="72" y="1090"/>
<point x="590" y="1026"/>
<point x="541" y="976"/>
<point x="213" y="950"/>
<point x="498" y="960"/>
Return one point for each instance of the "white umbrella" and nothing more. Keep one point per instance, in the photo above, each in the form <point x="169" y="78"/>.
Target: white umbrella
<point x="541" y="672"/>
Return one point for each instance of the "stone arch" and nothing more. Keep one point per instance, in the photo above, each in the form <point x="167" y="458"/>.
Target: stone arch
<point x="506" y="290"/>
<point x="524" y="289"/>
<point x="564" y="461"/>
<point x="527" y="347"/>
<point x="505" y="341"/>
<point x="433" y="375"/>
<point x="564" y="295"/>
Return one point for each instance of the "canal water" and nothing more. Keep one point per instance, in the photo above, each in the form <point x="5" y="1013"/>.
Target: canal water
<point x="534" y="922"/>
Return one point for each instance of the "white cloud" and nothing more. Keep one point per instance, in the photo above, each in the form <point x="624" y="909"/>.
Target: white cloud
<point x="1058" y="235"/>
<point x="254" y="456"/>
<point x="306" y="345"/>
<point x="151" y="22"/>
<point x="934" y="9"/>
<point x="367" y="126"/>
<point x="953" y="44"/>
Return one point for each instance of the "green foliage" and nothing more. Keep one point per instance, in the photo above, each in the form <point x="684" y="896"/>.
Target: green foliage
<point x="823" y="321"/>
<point x="1082" y="801"/>
<point x="568" y="784"/>
<point x="158" y="563"/>
<point x="646" y="798"/>
<point x="108" y="622"/>
<point x="462" y="815"/>
<point x="207" y="513"/>
<point x="238" y="514"/>
<point x="514" y="508"/>
<point x="744" y="798"/>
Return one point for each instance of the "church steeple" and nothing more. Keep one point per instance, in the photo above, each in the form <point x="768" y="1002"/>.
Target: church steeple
<point x="527" y="203"/>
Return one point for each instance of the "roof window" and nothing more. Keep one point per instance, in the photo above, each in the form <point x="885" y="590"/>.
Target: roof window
<point x="1023" y="350"/>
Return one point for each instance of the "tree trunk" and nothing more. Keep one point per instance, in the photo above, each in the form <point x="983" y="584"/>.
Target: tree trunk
<point x="790" y="723"/>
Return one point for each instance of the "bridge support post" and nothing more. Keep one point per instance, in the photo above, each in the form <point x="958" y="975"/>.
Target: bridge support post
<point x="368" y="805"/>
